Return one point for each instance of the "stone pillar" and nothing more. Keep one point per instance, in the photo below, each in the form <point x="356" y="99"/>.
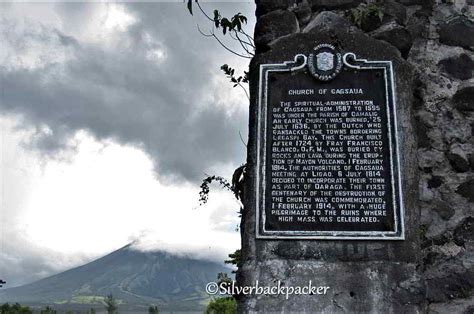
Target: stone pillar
<point x="430" y="45"/>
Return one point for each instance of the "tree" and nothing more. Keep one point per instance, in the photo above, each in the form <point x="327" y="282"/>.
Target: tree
<point x="226" y="305"/>
<point x="153" y="309"/>
<point x="15" y="309"/>
<point x="111" y="304"/>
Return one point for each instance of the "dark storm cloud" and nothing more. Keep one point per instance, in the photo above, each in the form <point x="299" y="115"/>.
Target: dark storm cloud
<point x="169" y="108"/>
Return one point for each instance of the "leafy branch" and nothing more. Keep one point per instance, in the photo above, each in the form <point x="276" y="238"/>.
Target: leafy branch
<point x="232" y="26"/>
<point x="236" y="186"/>
<point x="205" y="187"/>
<point x="237" y="81"/>
<point x="235" y="259"/>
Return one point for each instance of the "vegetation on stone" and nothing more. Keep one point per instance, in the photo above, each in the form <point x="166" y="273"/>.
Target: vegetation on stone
<point x="367" y="16"/>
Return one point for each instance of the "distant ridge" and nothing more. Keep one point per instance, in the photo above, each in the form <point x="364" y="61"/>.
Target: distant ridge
<point x="136" y="279"/>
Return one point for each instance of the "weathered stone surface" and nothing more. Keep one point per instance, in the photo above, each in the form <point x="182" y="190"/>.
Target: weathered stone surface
<point x="458" y="131"/>
<point x="416" y="23"/>
<point x="464" y="232"/>
<point x="444" y="209"/>
<point x="426" y="194"/>
<point x="414" y="2"/>
<point x="302" y="11"/>
<point x="395" y="34"/>
<point x="368" y="19"/>
<point x="274" y="25"/>
<point x="466" y="190"/>
<point x="435" y="182"/>
<point x="356" y="284"/>
<point x="449" y="249"/>
<point x="289" y="250"/>
<point x="325" y="21"/>
<point x="464" y="97"/>
<point x="463" y="306"/>
<point x="429" y="158"/>
<point x="334" y="4"/>
<point x="426" y="118"/>
<point x="471" y="161"/>
<point x="460" y="67"/>
<point x="440" y="253"/>
<point x="395" y="10"/>
<point x="267" y="6"/>
<point x="422" y="135"/>
<point x="458" y="32"/>
<point x="451" y="286"/>
<point x="458" y="162"/>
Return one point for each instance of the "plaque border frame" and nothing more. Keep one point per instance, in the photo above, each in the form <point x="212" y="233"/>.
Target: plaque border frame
<point x="299" y="63"/>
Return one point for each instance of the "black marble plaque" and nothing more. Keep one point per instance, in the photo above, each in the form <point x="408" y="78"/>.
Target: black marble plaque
<point x="328" y="160"/>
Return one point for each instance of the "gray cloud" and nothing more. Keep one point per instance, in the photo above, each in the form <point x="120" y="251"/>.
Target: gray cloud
<point x="25" y="263"/>
<point x="172" y="109"/>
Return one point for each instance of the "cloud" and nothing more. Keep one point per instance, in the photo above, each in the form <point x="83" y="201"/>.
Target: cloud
<point x="121" y="109"/>
<point x="141" y="75"/>
<point x="22" y="262"/>
<point x="59" y="214"/>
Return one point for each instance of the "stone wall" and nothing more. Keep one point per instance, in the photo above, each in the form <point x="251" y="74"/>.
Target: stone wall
<point x="431" y="43"/>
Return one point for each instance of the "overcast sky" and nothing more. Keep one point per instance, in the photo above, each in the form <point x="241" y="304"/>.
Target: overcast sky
<point x="110" y="115"/>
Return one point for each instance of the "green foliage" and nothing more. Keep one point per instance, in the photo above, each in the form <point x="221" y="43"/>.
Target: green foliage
<point x="422" y="230"/>
<point x="14" y="309"/>
<point x="223" y="278"/>
<point x="233" y="27"/>
<point x="234" y="24"/>
<point x="190" y="6"/>
<point x="236" y="186"/>
<point x="235" y="259"/>
<point x="238" y="182"/>
<point x="222" y="306"/>
<point x="91" y="311"/>
<point x="229" y="72"/>
<point x="153" y="309"/>
<point x="237" y="81"/>
<point x="205" y="187"/>
<point x="111" y="304"/>
<point x="364" y="12"/>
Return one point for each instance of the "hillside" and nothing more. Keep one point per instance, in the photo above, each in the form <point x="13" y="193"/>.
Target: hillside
<point x="137" y="279"/>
